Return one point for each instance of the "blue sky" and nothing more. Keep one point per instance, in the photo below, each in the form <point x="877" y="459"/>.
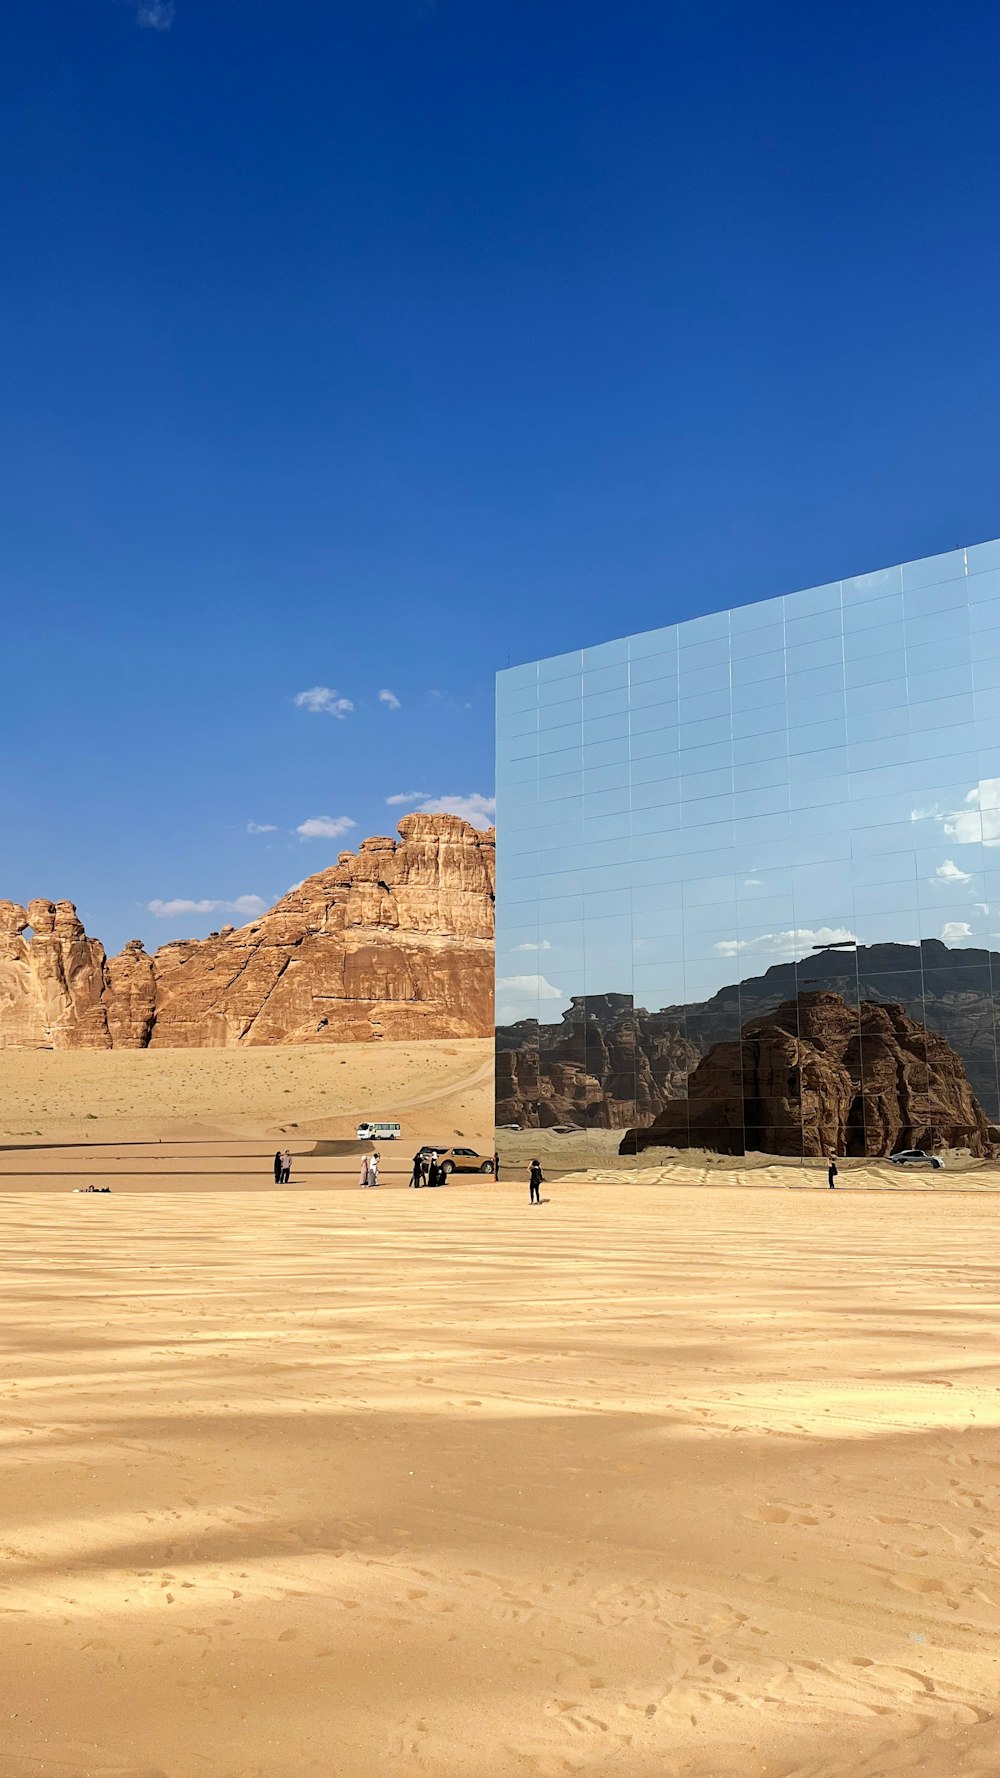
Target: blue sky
<point x="362" y="347"/>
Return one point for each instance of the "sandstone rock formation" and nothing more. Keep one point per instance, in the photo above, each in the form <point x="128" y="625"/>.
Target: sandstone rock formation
<point x="818" y="1076"/>
<point x="130" y="997"/>
<point x="395" y="940"/>
<point x="51" y="979"/>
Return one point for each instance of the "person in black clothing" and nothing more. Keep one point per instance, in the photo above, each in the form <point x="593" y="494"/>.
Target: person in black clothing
<point x="418" y="1169"/>
<point x="496" y="1166"/>
<point x="831" y="1173"/>
<point x="433" y="1171"/>
<point x="277" y="1168"/>
<point x="534" y="1182"/>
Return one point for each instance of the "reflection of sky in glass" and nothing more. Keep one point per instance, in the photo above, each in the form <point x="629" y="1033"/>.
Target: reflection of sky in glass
<point x="683" y="809"/>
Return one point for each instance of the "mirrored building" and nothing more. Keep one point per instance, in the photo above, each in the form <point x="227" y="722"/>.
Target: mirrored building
<point x="748" y="889"/>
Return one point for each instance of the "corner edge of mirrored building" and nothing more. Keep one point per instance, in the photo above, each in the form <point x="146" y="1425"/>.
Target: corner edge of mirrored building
<point x="748" y="881"/>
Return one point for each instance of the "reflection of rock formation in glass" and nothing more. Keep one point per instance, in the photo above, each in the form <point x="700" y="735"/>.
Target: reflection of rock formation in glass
<point x="608" y="1065"/>
<point x="605" y="1066"/>
<point x="819" y="1076"/>
<point x="950" y="990"/>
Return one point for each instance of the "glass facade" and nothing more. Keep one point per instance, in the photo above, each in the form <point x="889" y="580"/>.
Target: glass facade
<point x="748" y="889"/>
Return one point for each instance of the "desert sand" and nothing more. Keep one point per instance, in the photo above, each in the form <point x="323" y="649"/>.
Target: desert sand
<point x="301" y="1092"/>
<point x="643" y="1481"/>
<point x="650" y="1480"/>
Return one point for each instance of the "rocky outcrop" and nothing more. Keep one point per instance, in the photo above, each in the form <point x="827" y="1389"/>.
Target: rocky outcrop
<point x="130" y="997"/>
<point x="395" y="940"/>
<point x="819" y="1076"/>
<point x="52" y="979"/>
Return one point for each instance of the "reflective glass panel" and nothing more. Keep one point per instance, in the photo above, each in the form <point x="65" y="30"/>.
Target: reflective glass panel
<point x="787" y="813"/>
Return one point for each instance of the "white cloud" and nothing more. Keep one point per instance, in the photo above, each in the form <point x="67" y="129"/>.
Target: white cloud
<point x="478" y="809"/>
<point x="953" y="931"/>
<point x="948" y="872"/>
<point x="154" y="15"/>
<point x="389" y="699"/>
<point x="322" y="700"/>
<point x="171" y="910"/>
<point x="792" y="942"/>
<point x="261" y="827"/>
<point x="325" y="827"/>
<point x="544" y="946"/>
<point x="404" y="796"/>
<point x="982" y="907"/>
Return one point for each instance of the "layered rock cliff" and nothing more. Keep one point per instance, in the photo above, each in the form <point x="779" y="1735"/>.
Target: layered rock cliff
<point x="395" y="940"/>
<point x="818" y="1076"/>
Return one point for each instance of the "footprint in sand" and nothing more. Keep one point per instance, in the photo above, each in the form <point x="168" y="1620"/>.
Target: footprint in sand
<point x="410" y="1736"/>
<point x="769" y="1514"/>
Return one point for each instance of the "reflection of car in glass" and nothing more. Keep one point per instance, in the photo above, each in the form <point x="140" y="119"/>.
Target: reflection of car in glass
<point x="567" y="1129"/>
<point x="457" y="1160"/>
<point x="915" y="1157"/>
<point x="508" y="1126"/>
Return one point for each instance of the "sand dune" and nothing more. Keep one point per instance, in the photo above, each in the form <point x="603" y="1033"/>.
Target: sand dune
<point x="299" y="1092"/>
<point x="655" y="1482"/>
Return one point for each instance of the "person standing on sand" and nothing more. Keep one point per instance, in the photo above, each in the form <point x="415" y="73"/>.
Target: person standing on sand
<point x="277" y="1168"/>
<point x="534" y="1182"/>
<point x="496" y="1166"/>
<point x="418" y="1169"/>
<point x="286" y="1166"/>
<point x="363" y="1176"/>
<point x="433" y="1170"/>
<point x="831" y="1172"/>
<point x="373" y="1168"/>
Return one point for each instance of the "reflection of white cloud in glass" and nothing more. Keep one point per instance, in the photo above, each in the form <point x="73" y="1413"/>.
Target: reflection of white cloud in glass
<point x="948" y="872"/>
<point x="953" y="931"/>
<point x="543" y="946"/>
<point x="978" y="821"/>
<point x="518" y="996"/>
<point x="788" y="944"/>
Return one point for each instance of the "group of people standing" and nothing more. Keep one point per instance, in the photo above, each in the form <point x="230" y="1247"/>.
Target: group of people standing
<point x="426" y="1169"/>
